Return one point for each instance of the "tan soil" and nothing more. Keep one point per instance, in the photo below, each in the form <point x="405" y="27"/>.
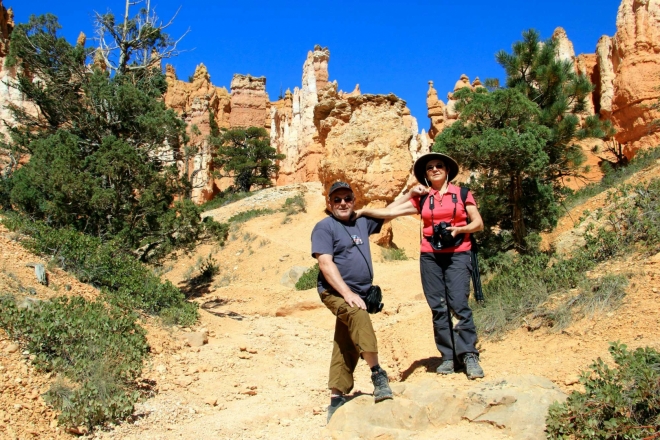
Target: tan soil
<point x="263" y="373"/>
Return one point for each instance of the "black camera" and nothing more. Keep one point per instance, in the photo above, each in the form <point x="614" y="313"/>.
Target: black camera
<point x="374" y="300"/>
<point x="442" y="237"/>
<point x="441" y="234"/>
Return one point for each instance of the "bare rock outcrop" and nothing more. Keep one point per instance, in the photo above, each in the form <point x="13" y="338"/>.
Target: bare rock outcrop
<point x="249" y="102"/>
<point x="636" y="63"/>
<point x="366" y="141"/>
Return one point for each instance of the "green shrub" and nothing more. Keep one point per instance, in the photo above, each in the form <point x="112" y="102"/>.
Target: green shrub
<point x="309" y="278"/>
<point x="394" y="254"/>
<point x="521" y="287"/>
<point x="613" y="177"/>
<point x="218" y="231"/>
<point x="244" y="216"/>
<point x="98" y="348"/>
<point x="123" y="280"/>
<point x="294" y="205"/>
<point x="224" y="199"/>
<point x="617" y="403"/>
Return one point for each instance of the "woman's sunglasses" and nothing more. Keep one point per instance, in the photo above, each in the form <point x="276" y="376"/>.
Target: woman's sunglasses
<point x="438" y="166"/>
<point x="347" y="199"/>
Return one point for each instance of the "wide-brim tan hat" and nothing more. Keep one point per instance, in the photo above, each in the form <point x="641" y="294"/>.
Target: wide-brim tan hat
<point x="419" y="169"/>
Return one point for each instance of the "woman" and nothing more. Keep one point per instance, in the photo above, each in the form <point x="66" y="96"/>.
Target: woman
<point x="445" y="263"/>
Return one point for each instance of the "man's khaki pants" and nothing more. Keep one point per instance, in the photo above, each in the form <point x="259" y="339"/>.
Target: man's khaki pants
<point x="354" y="335"/>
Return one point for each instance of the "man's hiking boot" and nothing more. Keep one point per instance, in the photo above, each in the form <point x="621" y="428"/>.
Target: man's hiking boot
<point x="446" y="367"/>
<point x="472" y="367"/>
<point x="381" y="383"/>
<point x="335" y="403"/>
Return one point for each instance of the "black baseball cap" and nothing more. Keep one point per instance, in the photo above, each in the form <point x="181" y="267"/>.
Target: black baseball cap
<point x="339" y="185"/>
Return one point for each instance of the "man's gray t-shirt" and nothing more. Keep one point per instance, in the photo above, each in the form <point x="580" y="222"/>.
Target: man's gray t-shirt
<point x="330" y="237"/>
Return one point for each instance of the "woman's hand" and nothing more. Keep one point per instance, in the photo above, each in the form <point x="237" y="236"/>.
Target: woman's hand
<point x="418" y="191"/>
<point x="455" y="230"/>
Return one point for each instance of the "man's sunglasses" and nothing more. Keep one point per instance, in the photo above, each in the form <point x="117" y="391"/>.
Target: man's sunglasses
<point x="438" y="166"/>
<point x="347" y="199"/>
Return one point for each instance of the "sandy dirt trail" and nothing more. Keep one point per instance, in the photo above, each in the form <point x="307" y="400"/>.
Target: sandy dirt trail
<point x="263" y="373"/>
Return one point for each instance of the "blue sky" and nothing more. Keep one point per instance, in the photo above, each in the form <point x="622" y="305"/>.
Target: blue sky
<point x="385" y="46"/>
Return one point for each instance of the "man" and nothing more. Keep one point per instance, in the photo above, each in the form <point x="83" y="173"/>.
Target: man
<point x="341" y="246"/>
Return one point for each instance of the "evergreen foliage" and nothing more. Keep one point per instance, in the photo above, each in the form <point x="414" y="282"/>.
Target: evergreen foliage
<point x="247" y="157"/>
<point x="520" y="139"/>
<point x="95" y="145"/>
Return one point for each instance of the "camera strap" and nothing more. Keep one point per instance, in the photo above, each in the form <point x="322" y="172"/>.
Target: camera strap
<point x="432" y="206"/>
<point x="371" y="275"/>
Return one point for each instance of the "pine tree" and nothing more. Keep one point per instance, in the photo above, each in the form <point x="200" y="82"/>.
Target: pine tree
<point x="521" y="139"/>
<point x="247" y="157"/>
<point x="96" y="144"/>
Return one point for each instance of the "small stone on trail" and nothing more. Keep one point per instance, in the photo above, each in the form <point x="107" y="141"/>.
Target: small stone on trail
<point x="285" y="422"/>
<point x="183" y="381"/>
<point x="252" y="351"/>
<point x="196" y="339"/>
<point x="571" y="381"/>
<point x="654" y="290"/>
<point x="243" y="348"/>
<point x="211" y="401"/>
<point x="12" y="348"/>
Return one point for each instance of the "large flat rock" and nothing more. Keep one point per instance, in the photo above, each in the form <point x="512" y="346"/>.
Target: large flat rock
<point x="512" y="408"/>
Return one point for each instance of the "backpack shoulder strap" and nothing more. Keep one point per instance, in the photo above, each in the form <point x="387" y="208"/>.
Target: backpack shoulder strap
<point x="422" y="199"/>
<point x="464" y="194"/>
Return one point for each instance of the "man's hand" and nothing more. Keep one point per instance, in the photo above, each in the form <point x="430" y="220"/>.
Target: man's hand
<point x="356" y="214"/>
<point x="354" y="300"/>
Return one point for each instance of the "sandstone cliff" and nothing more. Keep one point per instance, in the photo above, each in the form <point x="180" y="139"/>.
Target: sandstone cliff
<point x="249" y="102"/>
<point x="636" y="66"/>
<point x="368" y="140"/>
<point x="195" y="101"/>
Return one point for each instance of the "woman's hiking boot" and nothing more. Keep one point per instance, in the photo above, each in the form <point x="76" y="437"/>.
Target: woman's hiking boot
<point x="335" y="403"/>
<point x="446" y="367"/>
<point x="472" y="368"/>
<point x="382" y="390"/>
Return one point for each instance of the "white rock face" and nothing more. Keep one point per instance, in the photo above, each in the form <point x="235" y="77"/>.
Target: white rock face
<point x="292" y="122"/>
<point x="606" y="70"/>
<point x="565" y="50"/>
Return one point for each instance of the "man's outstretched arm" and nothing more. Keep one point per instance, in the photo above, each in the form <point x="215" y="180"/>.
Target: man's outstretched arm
<point x="332" y="276"/>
